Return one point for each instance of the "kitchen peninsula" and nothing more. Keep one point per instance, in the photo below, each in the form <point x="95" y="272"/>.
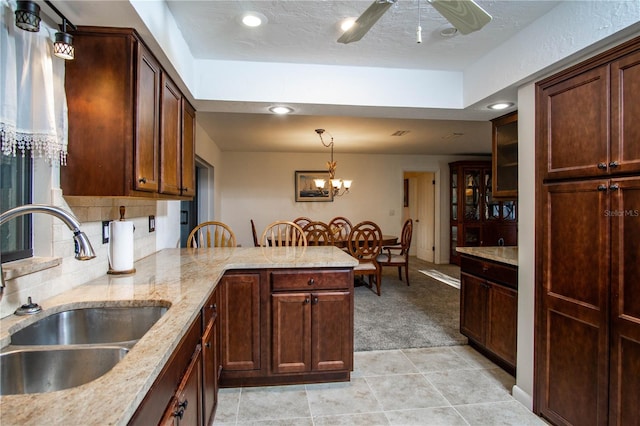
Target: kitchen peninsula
<point x="184" y="280"/>
<point x="489" y="301"/>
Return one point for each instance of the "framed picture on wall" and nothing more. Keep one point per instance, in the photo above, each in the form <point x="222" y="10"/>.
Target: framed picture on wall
<point x="307" y="186"/>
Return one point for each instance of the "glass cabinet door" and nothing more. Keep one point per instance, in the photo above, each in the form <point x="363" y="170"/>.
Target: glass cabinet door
<point x="454" y="196"/>
<point x="472" y="195"/>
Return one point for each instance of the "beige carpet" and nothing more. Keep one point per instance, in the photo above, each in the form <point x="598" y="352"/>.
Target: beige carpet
<point x="424" y="314"/>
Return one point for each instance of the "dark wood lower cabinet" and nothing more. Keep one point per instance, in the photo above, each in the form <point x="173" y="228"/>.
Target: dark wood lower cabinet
<point x="489" y="308"/>
<point x="295" y="326"/>
<point x="258" y="327"/>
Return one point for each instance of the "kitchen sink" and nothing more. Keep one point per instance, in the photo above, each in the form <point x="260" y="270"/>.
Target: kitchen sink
<point x="95" y="325"/>
<point x="24" y="371"/>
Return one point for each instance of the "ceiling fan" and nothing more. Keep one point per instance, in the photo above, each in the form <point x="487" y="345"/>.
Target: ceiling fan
<point x="465" y="15"/>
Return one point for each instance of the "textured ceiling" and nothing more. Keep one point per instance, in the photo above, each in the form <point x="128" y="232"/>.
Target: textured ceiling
<point x="306" y="32"/>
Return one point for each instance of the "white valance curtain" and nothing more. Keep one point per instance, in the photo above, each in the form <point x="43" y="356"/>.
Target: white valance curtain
<point x="33" y="104"/>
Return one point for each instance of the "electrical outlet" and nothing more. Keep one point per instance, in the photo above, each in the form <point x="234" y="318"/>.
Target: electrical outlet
<point x="105" y="231"/>
<point x="152" y="223"/>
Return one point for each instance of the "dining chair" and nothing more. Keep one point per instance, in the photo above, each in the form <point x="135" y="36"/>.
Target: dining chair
<point x="211" y="234"/>
<point x="283" y="233"/>
<point x="256" y="243"/>
<point x="340" y="227"/>
<point x="398" y="254"/>
<point x="318" y="234"/>
<point x="301" y="221"/>
<point x="365" y="243"/>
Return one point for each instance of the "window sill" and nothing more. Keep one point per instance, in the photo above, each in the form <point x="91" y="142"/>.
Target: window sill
<point x="19" y="268"/>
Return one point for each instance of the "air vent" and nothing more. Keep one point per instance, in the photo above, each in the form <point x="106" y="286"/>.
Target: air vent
<point x="400" y="132"/>
<point x="453" y="135"/>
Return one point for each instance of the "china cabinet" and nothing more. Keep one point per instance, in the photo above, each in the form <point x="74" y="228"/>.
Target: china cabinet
<point x="505" y="156"/>
<point x="477" y="218"/>
<point x="588" y="219"/>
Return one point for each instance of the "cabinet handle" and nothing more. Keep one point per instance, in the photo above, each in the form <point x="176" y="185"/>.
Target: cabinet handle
<point x="306" y="300"/>
<point x="182" y="406"/>
<point x="142" y="180"/>
<point x="315" y="300"/>
<point x="602" y="187"/>
<point x="614" y="187"/>
<point x="602" y="166"/>
<point x="207" y="345"/>
<point x="311" y="281"/>
<point x="614" y="164"/>
<point x="485" y="268"/>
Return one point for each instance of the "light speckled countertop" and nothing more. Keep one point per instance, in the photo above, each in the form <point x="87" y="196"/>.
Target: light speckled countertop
<point x="181" y="278"/>
<point x="506" y="254"/>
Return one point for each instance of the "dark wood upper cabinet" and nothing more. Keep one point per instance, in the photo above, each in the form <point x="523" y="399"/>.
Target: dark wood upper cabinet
<point x="505" y="156"/>
<point x="125" y="121"/>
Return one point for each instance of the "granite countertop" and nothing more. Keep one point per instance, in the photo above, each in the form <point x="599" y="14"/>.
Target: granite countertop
<point x="180" y="278"/>
<point x="505" y="254"/>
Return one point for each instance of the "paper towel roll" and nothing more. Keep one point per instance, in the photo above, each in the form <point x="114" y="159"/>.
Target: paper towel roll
<point x="121" y="246"/>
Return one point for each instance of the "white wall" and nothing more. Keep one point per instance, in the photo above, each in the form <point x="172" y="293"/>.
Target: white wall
<point x="260" y="186"/>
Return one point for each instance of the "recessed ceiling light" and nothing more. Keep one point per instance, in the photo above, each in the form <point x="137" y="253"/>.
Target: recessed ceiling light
<point x="254" y="19"/>
<point x="347" y="23"/>
<point x="501" y="105"/>
<point x="281" y="110"/>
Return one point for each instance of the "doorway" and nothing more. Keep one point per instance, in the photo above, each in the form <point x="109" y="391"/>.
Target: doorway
<point x="420" y="206"/>
<point x="200" y="209"/>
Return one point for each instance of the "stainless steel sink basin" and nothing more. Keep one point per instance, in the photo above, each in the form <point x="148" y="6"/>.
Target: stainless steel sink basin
<point x="90" y="326"/>
<point x="32" y="371"/>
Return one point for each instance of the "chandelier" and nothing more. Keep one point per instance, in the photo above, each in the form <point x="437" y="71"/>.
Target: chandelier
<point x="340" y="186"/>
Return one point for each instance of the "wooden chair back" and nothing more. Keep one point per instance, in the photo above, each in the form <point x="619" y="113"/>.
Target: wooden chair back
<point x="318" y="234"/>
<point x="301" y="221"/>
<point x="256" y="243"/>
<point x="340" y="228"/>
<point x="398" y="255"/>
<point x="211" y="234"/>
<point x="283" y="233"/>
<point x="365" y="241"/>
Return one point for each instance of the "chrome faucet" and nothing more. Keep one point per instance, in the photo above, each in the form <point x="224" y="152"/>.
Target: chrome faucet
<point x="84" y="251"/>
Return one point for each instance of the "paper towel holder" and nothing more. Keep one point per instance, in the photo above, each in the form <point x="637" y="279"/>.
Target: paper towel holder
<point x="120" y="272"/>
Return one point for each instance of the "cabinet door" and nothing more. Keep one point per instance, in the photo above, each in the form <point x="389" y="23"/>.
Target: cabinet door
<point x="573" y="339"/>
<point x="189" y="394"/>
<point x="240" y="321"/>
<point x="291" y="332"/>
<point x="332" y="331"/>
<point x="625" y="306"/>
<point x="473" y="300"/>
<point x="574" y="126"/>
<point x="505" y="156"/>
<point x="188" y="167"/>
<point x="502" y="322"/>
<point x="147" y="141"/>
<point x="170" y="137"/>
<point x="209" y="370"/>
<point x="625" y="110"/>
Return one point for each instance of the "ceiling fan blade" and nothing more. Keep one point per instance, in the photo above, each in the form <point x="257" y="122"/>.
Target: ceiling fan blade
<point x="364" y="23"/>
<point x="465" y="15"/>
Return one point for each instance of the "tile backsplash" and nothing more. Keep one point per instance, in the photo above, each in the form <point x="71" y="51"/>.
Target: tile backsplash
<point x="91" y="212"/>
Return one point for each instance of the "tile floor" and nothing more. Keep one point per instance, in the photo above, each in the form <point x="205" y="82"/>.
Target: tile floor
<point x="452" y="385"/>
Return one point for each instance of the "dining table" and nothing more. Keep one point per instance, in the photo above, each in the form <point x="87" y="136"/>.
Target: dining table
<point x="387" y="240"/>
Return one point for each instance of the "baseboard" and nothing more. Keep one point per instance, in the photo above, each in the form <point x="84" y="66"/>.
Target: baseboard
<point x="522" y="397"/>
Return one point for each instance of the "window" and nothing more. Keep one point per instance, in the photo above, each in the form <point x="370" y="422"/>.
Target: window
<point x="15" y="190"/>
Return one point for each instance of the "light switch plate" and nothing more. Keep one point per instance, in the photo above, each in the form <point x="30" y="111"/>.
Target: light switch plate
<point x="105" y="231"/>
<point x="152" y="223"/>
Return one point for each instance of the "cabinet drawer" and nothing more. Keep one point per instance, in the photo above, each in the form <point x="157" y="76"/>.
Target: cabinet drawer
<point x="491" y="271"/>
<point x="311" y="279"/>
<point x="209" y="310"/>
